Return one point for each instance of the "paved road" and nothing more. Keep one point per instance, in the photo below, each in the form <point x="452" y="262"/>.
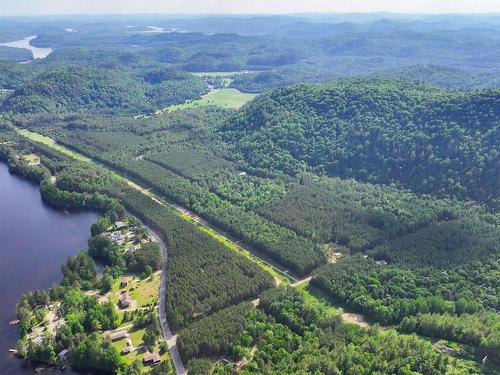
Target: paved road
<point x="167" y="333"/>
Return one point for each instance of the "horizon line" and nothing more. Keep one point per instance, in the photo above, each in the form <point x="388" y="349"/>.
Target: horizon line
<point x="246" y="14"/>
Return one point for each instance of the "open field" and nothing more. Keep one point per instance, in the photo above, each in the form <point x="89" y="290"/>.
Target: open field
<point x="50" y="142"/>
<point x="147" y="291"/>
<point x="226" y="98"/>
<point x="216" y="74"/>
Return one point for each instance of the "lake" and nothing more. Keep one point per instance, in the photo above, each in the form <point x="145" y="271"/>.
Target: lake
<point x="38" y="53"/>
<point x="35" y="240"/>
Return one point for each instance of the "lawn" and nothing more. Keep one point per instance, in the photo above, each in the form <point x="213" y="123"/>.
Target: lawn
<point x="226" y="98"/>
<point x="146" y="291"/>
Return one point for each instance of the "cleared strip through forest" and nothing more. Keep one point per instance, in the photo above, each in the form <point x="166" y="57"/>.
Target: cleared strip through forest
<point x="278" y="273"/>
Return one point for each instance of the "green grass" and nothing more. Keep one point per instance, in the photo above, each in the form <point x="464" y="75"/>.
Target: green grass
<point x="226" y="98"/>
<point x="215" y="74"/>
<point x="50" y="142"/>
<point x="314" y="297"/>
<point x="147" y="291"/>
<point x="31" y="158"/>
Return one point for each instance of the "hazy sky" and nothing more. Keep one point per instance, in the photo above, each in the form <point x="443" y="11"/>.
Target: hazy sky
<point x="30" y="7"/>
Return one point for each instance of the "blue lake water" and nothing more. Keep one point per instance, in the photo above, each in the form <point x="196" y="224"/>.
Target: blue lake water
<point x="35" y="240"/>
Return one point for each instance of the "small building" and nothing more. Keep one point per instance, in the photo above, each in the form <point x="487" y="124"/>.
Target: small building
<point x="118" y="335"/>
<point x="125" y="300"/>
<point x="120" y="225"/>
<point x="151" y="359"/>
<point x="126" y="350"/>
<point x="116" y="237"/>
<point x="381" y="262"/>
<point x="38" y="339"/>
<point x="124" y="282"/>
<point x="63" y="354"/>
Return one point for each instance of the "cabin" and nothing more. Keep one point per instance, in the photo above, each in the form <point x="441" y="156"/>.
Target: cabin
<point x="126" y="350"/>
<point x="38" y="339"/>
<point x="124" y="282"/>
<point x="116" y="237"/>
<point x="125" y="300"/>
<point x="63" y="354"/>
<point x="151" y="359"/>
<point x="120" y="225"/>
<point x="118" y="335"/>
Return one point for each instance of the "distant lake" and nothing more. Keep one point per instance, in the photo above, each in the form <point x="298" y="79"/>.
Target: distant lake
<point x="38" y="53"/>
<point x="35" y="240"/>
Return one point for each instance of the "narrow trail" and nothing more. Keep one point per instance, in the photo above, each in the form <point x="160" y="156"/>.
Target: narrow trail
<point x="169" y="337"/>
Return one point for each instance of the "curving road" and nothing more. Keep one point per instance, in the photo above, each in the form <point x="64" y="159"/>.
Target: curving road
<point x="167" y="333"/>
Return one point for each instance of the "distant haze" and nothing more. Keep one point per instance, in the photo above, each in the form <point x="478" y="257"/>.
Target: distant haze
<point x="40" y="7"/>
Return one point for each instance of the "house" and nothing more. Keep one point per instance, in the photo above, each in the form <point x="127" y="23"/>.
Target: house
<point x="125" y="300"/>
<point x="38" y="339"/>
<point x="151" y="359"/>
<point x="118" y="335"/>
<point x="124" y="282"/>
<point x="63" y="354"/>
<point x="116" y="237"/>
<point x="120" y="225"/>
<point x="126" y="350"/>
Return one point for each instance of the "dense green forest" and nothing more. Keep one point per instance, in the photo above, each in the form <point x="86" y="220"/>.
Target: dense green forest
<point x="77" y="89"/>
<point x="286" y="335"/>
<point x="382" y="188"/>
<point x="14" y="54"/>
<point x="459" y="304"/>
<point x="381" y="131"/>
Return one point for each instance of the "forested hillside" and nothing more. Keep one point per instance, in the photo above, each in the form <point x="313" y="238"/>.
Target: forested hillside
<point x="80" y="89"/>
<point x="381" y="131"/>
<point x="348" y="227"/>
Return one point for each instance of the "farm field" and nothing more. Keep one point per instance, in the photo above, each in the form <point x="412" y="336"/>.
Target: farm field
<point x="225" y="98"/>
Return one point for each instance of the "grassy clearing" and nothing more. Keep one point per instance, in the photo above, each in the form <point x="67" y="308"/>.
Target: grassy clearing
<point x="50" y="142"/>
<point x="226" y="98"/>
<point x="32" y="159"/>
<point x="215" y="74"/>
<point x="146" y="291"/>
<point x="314" y="297"/>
